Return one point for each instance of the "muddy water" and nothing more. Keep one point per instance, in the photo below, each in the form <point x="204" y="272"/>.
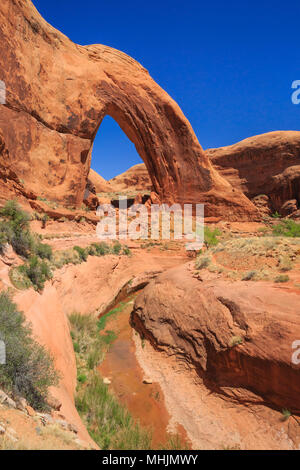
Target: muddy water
<point x="145" y="402"/>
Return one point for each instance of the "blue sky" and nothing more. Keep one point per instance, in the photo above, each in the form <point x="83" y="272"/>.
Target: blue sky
<point x="229" y="64"/>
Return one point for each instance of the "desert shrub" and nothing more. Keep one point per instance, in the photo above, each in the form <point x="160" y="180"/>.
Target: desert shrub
<point x="44" y="220"/>
<point x="202" y="262"/>
<point x="100" y="249"/>
<point x="14" y="229"/>
<point x="287" y="228"/>
<point x="210" y="236"/>
<point x="37" y="271"/>
<point x="29" y="369"/>
<point x="82" y="378"/>
<point x="43" y="251"/>
<point x="62" y="257"/>
<point x="286" y="414"/>
<point x="282" y="278"/>
<point x="249" y="275"/>
<point x="19" y="218"/>
<point x="83" y="254"/>
<point x="126" y="251"/>
<point x="285" y="263"/>
<point x="23" y="243"/>
<point x="236" y="340"/>
<point x="116" y="248"/>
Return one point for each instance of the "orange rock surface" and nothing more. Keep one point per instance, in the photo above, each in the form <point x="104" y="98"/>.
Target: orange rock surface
<point x="99" y="183"/>
<point x="264" y="164"/>
<point x="135" y="178"/>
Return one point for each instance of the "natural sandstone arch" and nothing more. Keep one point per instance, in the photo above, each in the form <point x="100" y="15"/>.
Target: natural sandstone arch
<point x="57" y="96"/>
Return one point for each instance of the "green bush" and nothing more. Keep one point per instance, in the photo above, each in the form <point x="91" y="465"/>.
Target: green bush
<point x="43" y="251"/>
<point x="210" y="236"/>
<point x="14" y="229"/>
<point x="126" y="251"/>
<point x="286" y="414"/>
<point x="37" y="271"/>
<point x="101" y="249"/>
<point x="13" y="212"/>
<point x="116" y="248"/>
<point x="29" y="369"/>
<point x="82" y="252"/>
<point x="82" y="378"/>
<point x="287" y="228"/>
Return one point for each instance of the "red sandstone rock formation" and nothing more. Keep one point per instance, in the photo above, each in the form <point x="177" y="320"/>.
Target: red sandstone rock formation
<point x="135" y="178"/>
<point x="238" y="335"/>
<point x="57" y="96"/>
<point x="99" y="183"/>
<point x="265" y="164"/>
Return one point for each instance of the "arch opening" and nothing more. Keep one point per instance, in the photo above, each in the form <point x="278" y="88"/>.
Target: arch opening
<point x="116" y="168"/>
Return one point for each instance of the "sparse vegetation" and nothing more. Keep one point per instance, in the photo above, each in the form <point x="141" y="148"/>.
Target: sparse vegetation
<point x="108" y="422"/>
<point x="203" y="261"/>
<point x="37" y="271"/>
<point x="39" y="259"/>
<point x="83" y="253"/>
<point x="286" y="414"/>
<point x="282" y="278"/>
<point x="51" y="204"/>
<point x="285" y="263"/>
<point x="236" y="340"/>
<point x="256" y="258"/>
<point x="249" y="276"/>
<point x="116" y="248"/>
<point x="29" y="369"/>
<point x="287" y="228"/>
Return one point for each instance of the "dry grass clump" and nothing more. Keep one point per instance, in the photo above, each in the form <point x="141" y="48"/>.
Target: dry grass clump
<point x="256" y="258"/>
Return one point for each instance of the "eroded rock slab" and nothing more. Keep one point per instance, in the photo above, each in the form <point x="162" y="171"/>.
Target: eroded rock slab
<point x="238" y="335"/>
